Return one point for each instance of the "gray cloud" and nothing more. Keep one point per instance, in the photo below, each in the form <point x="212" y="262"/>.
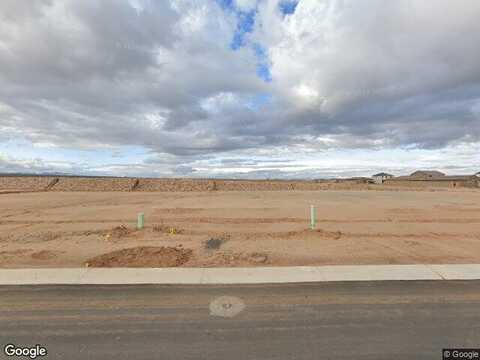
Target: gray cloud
<point x="92" y="73"/>
<point x="89" y="74"/>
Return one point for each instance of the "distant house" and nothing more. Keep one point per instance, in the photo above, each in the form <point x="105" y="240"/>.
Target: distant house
<point x="435" y="179"/>
<point x="381" y="177"/>
<point x="427" y="174"/>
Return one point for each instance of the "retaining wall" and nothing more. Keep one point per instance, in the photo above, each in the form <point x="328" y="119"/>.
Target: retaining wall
<point x="25" y="183"/>
<point x="93" y="184"/>
<point x="37" y="183"/>
<point x="433" y="183"/>
<point x="47" y="183"/>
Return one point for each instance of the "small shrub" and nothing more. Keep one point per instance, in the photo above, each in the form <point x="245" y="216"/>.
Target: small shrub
<point x="166" y="229"/>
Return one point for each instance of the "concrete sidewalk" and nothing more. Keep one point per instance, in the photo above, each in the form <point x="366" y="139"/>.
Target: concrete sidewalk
<point x="259" y="275"/>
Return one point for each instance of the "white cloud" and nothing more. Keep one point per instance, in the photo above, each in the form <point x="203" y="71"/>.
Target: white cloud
<point x="347" y="51"/>
<point x="219" y="102"/>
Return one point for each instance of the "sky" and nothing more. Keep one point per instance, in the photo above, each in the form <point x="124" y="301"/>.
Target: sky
<point x="239" y="88"/>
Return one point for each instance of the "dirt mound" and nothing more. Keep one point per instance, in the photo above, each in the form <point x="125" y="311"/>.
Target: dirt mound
<point x="120" y="231"/>
<point x="7" y="255"/>
<point x="142" y="256"/>
<point x="44" y="255"/>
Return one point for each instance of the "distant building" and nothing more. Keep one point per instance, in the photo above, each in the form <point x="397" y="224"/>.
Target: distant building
<point x="478" y="174"/>
<point x="427" y="174"/>
<point x="381" y="177"/>
<point x="435" y="179"/>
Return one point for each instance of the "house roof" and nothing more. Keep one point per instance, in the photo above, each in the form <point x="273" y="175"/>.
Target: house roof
<point x="382" y="174"/>
<point x="429" y="173"/>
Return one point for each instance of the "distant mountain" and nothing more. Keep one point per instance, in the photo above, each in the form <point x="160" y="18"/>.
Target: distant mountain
<point x="54" y="174"/>
<point x="35" y="174"/>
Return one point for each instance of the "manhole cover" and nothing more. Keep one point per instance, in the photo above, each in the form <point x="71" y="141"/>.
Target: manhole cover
<point x="226" y="306"/>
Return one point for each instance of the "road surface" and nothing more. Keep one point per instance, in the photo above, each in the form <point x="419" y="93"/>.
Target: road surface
<point x="361" y="320"/>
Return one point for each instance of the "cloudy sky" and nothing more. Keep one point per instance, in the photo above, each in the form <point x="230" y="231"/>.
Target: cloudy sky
<point x="239" y="88"/>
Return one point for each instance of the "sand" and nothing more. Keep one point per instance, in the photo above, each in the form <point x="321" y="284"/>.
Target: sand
<point x="270" y="228"/>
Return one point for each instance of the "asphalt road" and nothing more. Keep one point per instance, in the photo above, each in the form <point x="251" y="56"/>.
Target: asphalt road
<point x="360" y="320"/>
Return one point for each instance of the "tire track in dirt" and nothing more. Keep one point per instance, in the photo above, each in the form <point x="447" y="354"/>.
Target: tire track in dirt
<point x="59" y="222"/>
<point x="411" y="256"/>
<point x="210" y="220"/>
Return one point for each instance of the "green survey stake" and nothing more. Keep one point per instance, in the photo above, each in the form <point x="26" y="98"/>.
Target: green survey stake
<point x="313" y="217"/>
<point x="140" y="220"/>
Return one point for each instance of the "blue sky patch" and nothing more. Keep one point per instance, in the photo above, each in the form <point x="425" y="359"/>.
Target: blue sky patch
<point x="245" y="25"/>
<point x="259" y="100"/>
<point x="246" y="21"/>
<point x="263" y="71"/>
<point x="287" y="7"/>
<point x="263" y="66"/>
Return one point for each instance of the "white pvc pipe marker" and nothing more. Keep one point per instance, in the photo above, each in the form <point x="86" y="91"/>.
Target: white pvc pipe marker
<point x="313" y="217"/>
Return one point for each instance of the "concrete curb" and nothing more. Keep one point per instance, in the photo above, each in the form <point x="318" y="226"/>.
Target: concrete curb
<point x="259" y="275"/>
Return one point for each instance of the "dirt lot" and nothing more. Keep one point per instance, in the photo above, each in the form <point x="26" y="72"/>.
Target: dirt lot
<point x="69" y="229"/>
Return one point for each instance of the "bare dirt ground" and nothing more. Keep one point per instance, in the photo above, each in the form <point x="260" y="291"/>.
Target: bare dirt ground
<point x="71" y="229"/>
